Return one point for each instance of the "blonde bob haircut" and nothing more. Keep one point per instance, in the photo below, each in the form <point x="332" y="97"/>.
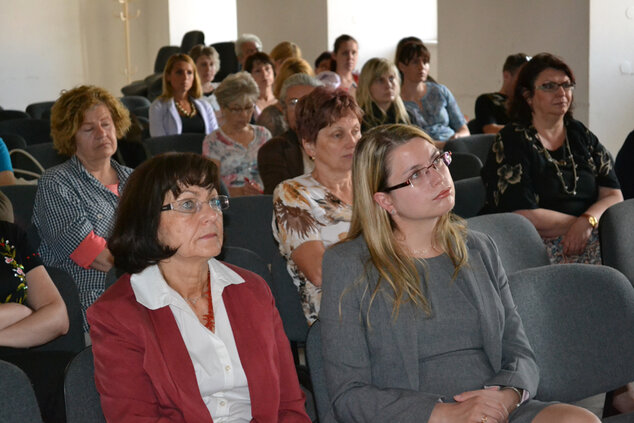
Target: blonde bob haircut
<point x="168" y="92"/>
<point x="238" y="88"/>
<point x="291" y="66"/>
<point x="67" y="115"/>
<point x="374" y="69"/>
<point x="398" y="276"/>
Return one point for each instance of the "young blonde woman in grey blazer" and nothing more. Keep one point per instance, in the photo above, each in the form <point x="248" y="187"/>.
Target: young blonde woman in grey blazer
<point x="417" y="319"/>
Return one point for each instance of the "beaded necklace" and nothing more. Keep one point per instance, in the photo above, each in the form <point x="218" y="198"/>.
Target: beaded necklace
<point x="184" y="112"/>
<point x="559" y="173"/>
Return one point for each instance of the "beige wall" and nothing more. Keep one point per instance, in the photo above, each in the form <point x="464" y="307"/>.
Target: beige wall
<point x="475" y="36"/>
<point x="612" y="88"/>
<point x="300" y="21"/>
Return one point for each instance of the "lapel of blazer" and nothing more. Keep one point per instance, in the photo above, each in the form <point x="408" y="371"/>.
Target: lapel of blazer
<point x="174" y="119"/>
<point x="253" y="348"/>
<point x="473" y="280"/>
<point x="182" y="386"/>
<point x="405" y="336"/>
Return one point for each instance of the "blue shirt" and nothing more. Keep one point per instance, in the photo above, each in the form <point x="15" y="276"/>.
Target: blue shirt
<point x="69" y="204"/>
<point x="5" y="158"/>
<point x="440" y="115"/>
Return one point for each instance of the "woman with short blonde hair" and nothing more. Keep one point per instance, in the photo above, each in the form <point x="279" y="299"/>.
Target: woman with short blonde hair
<point x="207" y="62"/>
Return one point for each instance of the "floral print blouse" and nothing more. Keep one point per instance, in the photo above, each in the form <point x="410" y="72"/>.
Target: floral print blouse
<point x="518" y="174"/>
<point x="237" y="162"/>
<point x="305" y="211"/>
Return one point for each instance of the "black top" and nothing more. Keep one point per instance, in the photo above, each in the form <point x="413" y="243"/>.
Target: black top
<point x="623" y="166"/>
<point x="18" y="258"/>
<point x="194" y="124"/>
<point x="491" y="109"/>
<point x="517" y="174"/>
<point x="375" y="117"/>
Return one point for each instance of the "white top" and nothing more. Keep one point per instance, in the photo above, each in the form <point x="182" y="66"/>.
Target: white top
<point x="219" y="373"/>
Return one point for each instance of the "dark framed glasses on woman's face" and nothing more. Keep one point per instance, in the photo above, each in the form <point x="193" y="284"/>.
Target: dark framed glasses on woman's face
<point x="421" y="175"/>
<point x="193" y="206"/>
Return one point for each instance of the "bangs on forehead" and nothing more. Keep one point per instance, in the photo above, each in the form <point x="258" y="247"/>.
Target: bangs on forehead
<point x="192" y="179"/>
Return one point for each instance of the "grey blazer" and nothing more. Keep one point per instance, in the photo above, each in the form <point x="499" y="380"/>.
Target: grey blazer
<point x="372" y="372"/>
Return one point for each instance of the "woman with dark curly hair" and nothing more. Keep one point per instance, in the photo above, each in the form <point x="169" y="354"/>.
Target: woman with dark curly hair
<point x="313" y="211"/>
<point x="76" y="201"/>
<point x="549" y="167"/>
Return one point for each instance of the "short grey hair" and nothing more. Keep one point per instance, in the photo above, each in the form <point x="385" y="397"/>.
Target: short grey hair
<point x="247" y="38"/>
<point x="297" y="79"/>
<point x="238" y="88"/>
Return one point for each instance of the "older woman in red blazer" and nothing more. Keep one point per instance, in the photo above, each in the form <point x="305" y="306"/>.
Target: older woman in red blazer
<point x="183" y="337"/>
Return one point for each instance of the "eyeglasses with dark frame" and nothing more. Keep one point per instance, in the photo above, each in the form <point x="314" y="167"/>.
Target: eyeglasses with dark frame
<point x="245" y="109"/>
<point x="552" y="87"/>
<point x="439" y="160"/>
<point x="193" y="206"/>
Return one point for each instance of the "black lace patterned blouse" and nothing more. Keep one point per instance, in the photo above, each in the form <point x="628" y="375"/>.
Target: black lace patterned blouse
<point x="18" y="258"/>
<point x="518" y="174"/>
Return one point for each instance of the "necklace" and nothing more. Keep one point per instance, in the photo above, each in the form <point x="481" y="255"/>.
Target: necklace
<point x="209" y="318"/>
<point x="184" y="112"/>
<point x="560" y="175"/>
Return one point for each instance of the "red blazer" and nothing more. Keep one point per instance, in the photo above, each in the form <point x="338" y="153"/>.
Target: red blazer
<point x="143" y="370"/>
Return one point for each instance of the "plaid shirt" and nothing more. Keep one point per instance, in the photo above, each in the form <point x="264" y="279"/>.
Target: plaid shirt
<point x="69" y="204"/>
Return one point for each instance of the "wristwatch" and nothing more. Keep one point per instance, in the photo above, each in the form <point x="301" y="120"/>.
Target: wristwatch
<point x="591" y="220"/>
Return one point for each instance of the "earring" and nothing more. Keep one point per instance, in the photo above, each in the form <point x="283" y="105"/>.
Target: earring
<point x="393" y="211"/>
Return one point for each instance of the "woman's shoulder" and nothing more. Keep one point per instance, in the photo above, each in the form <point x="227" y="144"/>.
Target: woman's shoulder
<point x="261" y="132"/>
<point x="355" y="247"/>
<point x="481" y="242"/>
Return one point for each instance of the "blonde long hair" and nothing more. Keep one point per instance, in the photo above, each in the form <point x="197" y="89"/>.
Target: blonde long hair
<point x="371" y="71"/>
<point x="396" y="269"/>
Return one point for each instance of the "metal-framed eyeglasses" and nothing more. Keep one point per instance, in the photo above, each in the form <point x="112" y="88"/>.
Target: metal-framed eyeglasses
<point x="421" y="175"/>
<point x="193" y="206"/>
<point x="246" y="109"/>
<point x="552" y="87"/>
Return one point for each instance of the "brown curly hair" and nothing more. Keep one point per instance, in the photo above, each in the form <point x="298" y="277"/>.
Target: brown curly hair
<point x="67" y="115"/>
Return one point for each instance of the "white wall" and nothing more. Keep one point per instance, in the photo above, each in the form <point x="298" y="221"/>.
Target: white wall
<point x="41" y="50"/>
<point x="218" y="19"/>
<point x="300" y="21"/>
<point x="475" y="36"/>
<point x="611" y="89"/>
<point x="378" y="25"/>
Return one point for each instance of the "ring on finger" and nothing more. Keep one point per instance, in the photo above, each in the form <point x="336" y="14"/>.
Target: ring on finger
<point x="484" y="419"/>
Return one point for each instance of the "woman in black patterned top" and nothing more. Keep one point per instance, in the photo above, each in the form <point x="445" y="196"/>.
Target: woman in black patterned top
<point x="32" y="313"/>
<point x="549" y="167"/>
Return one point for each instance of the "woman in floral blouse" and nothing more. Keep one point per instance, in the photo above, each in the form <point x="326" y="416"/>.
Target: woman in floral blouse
<point x="313" y="211"/>
<point x="549" y="167"/>
<point x="234" y="146"/>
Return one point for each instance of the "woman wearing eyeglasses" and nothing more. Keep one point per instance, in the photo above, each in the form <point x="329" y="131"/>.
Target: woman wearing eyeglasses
<point x="417" y="319"/>
<point x="234" y="146"/>
<point x="183" y="337"/>
<point x="549" y="167"/>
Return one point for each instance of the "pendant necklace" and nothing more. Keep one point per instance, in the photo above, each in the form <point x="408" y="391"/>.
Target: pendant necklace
<point x="560" y="175"/>
<point x="184" y="112"/>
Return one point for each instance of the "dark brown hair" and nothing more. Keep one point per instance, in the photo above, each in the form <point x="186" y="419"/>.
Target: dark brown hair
<point x="134" y="241"/>
<point x="519" y="109"/>
<point x="260" y="57"/>
<point x="410" y="51"/>
<point x="321" y="108"/>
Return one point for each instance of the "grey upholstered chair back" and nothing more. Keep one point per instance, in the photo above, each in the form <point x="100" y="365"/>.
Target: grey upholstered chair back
<point x="464" y="165"/>
<point x="519" y="244"/>
<point x="80" y="393"/>
<point x="470" y="197"/>
<point x="288" y="301"/>
<point x="247" y="224"/>
<point x="247" y="259"/>
<point x="617" y="237"/>
<point x="184" y="143"/>
<point x="41" y="110"/>
<point x="315" y="363"/>
<point x="73" y="341"/>
<point x="579" y="320"/>
<point x="17" y="399"/>
<point x="478" y="144"/>
<point x="22" y="198"/>
<point x="34" y="131"/>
